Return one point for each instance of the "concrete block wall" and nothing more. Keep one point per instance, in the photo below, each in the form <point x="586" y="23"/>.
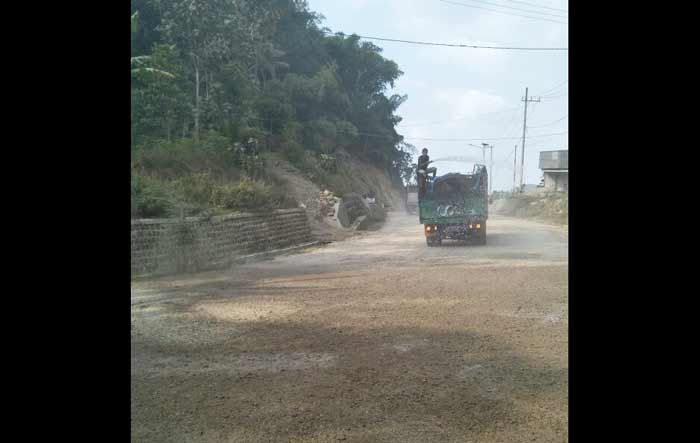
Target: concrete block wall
<point x="167" y="246"/>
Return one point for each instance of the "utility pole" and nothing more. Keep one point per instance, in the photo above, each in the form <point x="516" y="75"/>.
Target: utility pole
<point x="522" y="153"/>
<point x="483" y="150"/>
<point x="515" y="158"/>
<point x="491" y="171"/>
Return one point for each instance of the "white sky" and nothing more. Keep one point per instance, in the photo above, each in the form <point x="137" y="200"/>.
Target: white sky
<point x="464" y="92"/>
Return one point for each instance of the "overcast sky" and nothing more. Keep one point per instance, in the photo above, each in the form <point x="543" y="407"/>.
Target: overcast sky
<point x="469" y="93"/>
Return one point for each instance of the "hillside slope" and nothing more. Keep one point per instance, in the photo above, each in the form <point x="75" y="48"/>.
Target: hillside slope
<point x="353" y="176"/>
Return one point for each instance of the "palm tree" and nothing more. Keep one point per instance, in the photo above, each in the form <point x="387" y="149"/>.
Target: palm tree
<point x="141" y="59"/>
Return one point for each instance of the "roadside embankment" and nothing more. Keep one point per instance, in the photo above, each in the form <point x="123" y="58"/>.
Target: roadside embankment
<point x="548" y="207"/>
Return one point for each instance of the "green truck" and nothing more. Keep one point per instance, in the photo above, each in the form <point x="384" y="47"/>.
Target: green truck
<point x="455" y="206"/>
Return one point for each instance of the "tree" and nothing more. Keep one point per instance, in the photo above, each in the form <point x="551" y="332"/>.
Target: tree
<point x="209" y="33"/>
<point x="263" y="67"/>
<point x="267" y="62"/>
<point x="142" y="59"/>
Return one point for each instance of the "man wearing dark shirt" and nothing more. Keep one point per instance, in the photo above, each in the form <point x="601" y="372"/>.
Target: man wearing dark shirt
<point x="423" y="162"/>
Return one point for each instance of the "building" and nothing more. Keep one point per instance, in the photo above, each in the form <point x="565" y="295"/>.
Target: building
<point x="555" y="166"/>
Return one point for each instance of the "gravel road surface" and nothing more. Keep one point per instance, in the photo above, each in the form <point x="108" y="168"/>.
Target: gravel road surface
<point x="377" y="338"/>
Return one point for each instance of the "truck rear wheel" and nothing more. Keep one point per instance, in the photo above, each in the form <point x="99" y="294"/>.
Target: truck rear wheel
<point x="433" y="240"/>
<point x="481" y="236"/>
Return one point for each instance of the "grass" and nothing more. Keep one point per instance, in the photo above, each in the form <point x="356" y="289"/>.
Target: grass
<point x="212" y="178"/>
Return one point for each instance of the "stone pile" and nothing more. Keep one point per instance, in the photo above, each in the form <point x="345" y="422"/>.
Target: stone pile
<point x="327" y="201"/>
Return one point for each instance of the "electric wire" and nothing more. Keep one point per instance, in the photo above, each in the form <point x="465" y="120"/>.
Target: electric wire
<point x="511" y="7"/>
<point x="550" y="90"/>
<point x="506" y="13"/>
<point x="454" y="45"/>
<point x="457" y="119"/>
<point x="550" y="123"/>
<point x="537" y="5"/>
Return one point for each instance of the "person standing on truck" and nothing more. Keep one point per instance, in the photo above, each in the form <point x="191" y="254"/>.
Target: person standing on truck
<point x="423" y="170"/>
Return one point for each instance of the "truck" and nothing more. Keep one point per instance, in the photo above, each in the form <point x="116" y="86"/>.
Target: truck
<point x="455" y="206"/>
<point x="411" y="199"/>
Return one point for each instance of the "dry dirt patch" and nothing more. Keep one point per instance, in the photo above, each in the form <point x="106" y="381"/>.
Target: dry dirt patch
<point x="245" y="310"/>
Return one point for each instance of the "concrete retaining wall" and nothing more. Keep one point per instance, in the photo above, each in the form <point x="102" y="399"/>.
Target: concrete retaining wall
<point x="167" y="246"/>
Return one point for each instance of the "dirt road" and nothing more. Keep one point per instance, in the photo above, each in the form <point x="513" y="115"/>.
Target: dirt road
<point x="376" y="338"/>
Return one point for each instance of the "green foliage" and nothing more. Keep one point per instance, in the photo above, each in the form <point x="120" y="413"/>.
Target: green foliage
<point x="209" y="75"/>
<point x="172" y="159"/>
<point x="158" y="102"/>
<point x="328" y="163"/>
<point x="197" y="188"/>
<point x="197" y="193"/>
<point x="144" y="25"/>
<point x="134" y="22"/>
<point x="404" y="165"/>
<point x="341" y="181"/>
<point x="150" y="197"/>
<point x="250" y="195"/>
<point x="215" y="142"/>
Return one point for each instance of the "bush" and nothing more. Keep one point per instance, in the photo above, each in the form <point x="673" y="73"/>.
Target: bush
<point x="245" y="195"/>
<point x="181" y="156"/>
<point x="197" y="188"/>
<point x="289" y="143"/>
<point x="150" y="197"/>
<point x="153" y="197"/>
<point x="328" y="163"/>
<point x="214" y="142"/>
<point x="294" y="153"/>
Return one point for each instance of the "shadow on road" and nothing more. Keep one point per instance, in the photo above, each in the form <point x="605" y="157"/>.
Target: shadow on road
<point x="371" y="384"/>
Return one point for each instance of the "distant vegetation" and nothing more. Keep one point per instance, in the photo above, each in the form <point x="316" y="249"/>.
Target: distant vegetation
<point x="220" y="85"/>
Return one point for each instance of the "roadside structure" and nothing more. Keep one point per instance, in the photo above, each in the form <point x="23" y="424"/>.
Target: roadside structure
<point x="555" y="166"/>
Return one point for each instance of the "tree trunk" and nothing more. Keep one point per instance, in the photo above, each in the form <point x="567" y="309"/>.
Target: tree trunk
<point x="196" y="104"/>
<point x="209" y="80"/>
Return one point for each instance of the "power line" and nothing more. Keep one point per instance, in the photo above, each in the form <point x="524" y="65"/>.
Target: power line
<point x="511" y="125"/>
<point x="556" y="96"/>
<point x="515" y="9"/>
<point x="458" y="119"/>
<point x="559" y="91"/>
<point x="553" y="88"/>
<point x="535" y="107"/>
<point x="550" y="123"/>
<point x="365" y="134"/>
<point x="508" y="158"/>
<point x="506" y="13"/>
<point x="480" y="138"/>
<point x="560" y="94"/>
<point x="455" y="45"/>
<point x="543" y="139"/>
<point x="537" y="6"/>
